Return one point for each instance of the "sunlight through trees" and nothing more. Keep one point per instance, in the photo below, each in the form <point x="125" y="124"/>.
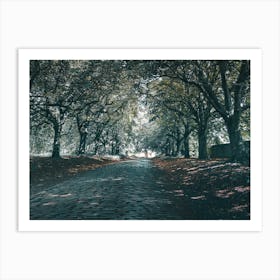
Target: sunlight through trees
<point x="121" y="107"/>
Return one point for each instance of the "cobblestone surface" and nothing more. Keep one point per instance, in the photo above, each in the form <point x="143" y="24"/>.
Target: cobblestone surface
<point x="128" y="190"/>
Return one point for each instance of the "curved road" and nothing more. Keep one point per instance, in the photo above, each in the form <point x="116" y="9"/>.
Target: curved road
<point x="128" y="190"/>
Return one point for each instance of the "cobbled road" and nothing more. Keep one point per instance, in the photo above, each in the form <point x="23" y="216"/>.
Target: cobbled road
<point x="135" y="190"/>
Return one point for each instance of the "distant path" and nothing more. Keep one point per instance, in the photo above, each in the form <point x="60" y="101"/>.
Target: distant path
<point x="128" y="190"/>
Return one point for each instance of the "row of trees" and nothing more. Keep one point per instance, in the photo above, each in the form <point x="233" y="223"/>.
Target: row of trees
<point x="82" y="102"/>
<point x="208" y="98"/>
<point x="119" y="106"/>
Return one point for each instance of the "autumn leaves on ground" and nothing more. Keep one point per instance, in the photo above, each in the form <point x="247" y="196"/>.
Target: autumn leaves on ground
<point x="221" y="187"/>
<point x="45" y="170"/>
<point x="215" y="189"/>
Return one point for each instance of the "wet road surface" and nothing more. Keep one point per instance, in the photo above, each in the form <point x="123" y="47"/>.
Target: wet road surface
<point x="134" y="190"/>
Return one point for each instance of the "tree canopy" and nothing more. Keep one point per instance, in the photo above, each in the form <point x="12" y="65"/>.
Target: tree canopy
<point x="170" y="107"/>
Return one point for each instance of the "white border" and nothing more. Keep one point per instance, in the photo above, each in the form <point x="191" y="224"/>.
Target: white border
<point x="254" y="224"/>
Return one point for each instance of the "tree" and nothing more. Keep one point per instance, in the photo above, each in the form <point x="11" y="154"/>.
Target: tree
<point x="50" y="96"/>
<point x="192" y="110"/>
<point x="200" y="109"/>
<point x="226" y="86"/>
<point x="117" y="106"/>
<point x="230" y="98"/>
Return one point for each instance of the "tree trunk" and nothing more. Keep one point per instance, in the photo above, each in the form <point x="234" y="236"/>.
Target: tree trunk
<point x="56" y="141"/>
<point x="202" y="144"/>
<point x="167" y="148"/>
<point x="186" y="147"/>
<point x="178" y="145"/>
<point x="173" y="149"/>
<point x="186" y="140"/>
<point x="96" y="147"/>
<point x="236" y="144"/>
<point x="112" y="149"/>
<point x="82" y="145"/>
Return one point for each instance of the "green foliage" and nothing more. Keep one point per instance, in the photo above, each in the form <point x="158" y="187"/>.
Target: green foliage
<point x="171" y="107"/>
